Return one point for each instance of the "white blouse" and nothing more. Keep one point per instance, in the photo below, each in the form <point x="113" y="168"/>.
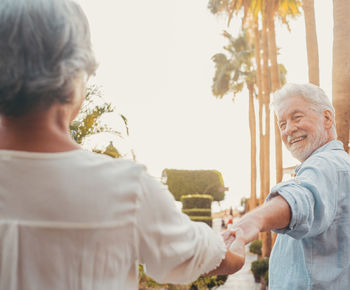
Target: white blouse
<point x="80" y="220"/>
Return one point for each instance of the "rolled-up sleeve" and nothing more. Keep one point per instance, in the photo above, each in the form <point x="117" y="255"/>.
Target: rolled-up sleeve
<point x="173" y="248"/>
<point x="311" y="197"/>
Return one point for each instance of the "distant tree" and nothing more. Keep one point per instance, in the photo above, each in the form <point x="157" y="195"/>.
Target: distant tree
<point x="87" y="123"/>
<point x="254" y="14"/>
<point x="341" y="69"/>
<point x="110" y="150"/>
<point x="232" y="73"/>
<point x="311" y="42"/>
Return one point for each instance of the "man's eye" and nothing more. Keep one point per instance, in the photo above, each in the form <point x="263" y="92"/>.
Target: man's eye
<point x="282" y="126"/>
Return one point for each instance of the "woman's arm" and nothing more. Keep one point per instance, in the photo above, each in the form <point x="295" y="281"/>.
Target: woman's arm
<point x="233" y="261"/>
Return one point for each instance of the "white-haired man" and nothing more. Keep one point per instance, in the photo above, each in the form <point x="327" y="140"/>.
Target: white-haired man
<point x="310" y="213"/>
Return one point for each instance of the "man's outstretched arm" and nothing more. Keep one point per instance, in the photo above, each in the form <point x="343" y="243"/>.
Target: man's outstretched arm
<point x="274" y="214"/>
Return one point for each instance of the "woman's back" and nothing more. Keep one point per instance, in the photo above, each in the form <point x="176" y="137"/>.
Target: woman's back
<point x="80" y="220"/>
<point x="67" y="219"/>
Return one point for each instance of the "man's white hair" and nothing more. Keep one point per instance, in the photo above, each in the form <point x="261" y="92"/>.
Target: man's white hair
<point x="312" y="94"/>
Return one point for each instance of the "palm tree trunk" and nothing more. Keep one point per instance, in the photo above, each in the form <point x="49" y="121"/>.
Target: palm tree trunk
<point x="311" y="42"/>
<point x="261" y="101"/>
<point x="252" y="129"/>
<point x="266" y="241"/>
<point x="266" y="107"/>
<point x="341" y="69"/>
<point x="276" y="84"/>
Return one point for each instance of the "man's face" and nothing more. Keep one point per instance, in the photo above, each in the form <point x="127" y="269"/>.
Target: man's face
<point x="302" y="128"/>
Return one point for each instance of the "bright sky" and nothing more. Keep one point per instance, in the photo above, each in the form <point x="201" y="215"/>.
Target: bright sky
<point x="155" y="66"/>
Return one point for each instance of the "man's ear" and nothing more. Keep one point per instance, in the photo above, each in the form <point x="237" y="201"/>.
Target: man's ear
<point x="328" y="119"/>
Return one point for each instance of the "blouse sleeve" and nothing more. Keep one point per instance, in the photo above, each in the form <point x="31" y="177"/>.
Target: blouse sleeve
<point x="173" y="248"/>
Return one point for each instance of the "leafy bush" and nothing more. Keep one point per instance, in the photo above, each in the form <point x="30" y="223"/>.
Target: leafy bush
<point x="208" y="282"/>
<point x="255" y="247"/>
<point x="184" y="182"/>
<point x="196" y="201"/>
<point x="266" y="277"/>
<point x="197" y="212"/>
<point x="146" y="282"/>
<point x="201" y="283"/>
<point x="259" y="268"/>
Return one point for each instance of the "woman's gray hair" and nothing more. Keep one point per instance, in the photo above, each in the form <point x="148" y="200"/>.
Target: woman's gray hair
<point x="312" y="94"/>
<point x="44" y="46"/>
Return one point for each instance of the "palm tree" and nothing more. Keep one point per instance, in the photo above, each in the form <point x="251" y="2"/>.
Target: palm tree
<point x="311" y="42"/>
<point x="230" y="77"/>
<point x="341" y="69"/>
<point x="268" y="10"/>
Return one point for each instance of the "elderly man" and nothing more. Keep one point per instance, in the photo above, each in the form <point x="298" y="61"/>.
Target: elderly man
<point x="311" y="213"/>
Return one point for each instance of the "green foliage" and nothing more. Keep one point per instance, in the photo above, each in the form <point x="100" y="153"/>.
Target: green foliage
<point x="202" y="283"/>
<point x="266" y="277"/>
<point x="192" y="201"/>
<point x="259" y="268"/>
<point x="236" y="70"/>
<point x="208" y="282"/>
<point x="197" y="212"/>
<point x="146" y="282"/>
<point x="254" y="9"/>
<point x="87" y="123"/>
<point x="185" y="182"/>
<point x="198" y="207"/>
<point x="112" y="151"/>
<point x="255" y="247"/>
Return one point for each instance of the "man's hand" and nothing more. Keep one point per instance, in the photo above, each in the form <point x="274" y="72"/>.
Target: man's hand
<point x="246" y="229"/>
<point x="243" y="231"/>
<point x="228" y="237"/>
<point x="234" y="241"/>
<point x="274" y="214"/>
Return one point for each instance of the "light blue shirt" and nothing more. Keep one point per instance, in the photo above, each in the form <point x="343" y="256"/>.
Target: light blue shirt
<point x="313" y="252"/>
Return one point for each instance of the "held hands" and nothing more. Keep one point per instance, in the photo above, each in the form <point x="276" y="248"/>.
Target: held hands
<point x="234" y="241"/>
<point x="244" y="231"/>
<point x="247" y="229"/>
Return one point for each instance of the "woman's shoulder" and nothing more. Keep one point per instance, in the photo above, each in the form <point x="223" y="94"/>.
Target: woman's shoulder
<point x="105" y="160"/>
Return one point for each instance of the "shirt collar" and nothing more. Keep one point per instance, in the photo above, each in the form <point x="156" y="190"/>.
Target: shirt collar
<point x="332" y="145"/>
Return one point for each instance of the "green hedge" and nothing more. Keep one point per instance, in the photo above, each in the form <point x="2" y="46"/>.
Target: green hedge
<point x="259" y="268"/>
<point x="255" y="247"/>
<point x="184" y="182"/>
<point x="197" y="212"/>
<point x="192" y="201"/>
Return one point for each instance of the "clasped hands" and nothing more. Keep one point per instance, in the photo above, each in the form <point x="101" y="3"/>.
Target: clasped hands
<point x="241" y="233"/>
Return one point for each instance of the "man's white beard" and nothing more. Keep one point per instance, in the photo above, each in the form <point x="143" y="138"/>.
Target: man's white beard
<point x="315" y="141"/>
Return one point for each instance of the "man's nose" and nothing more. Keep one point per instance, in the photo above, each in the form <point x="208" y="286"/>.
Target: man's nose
<point x="290" y="128"/>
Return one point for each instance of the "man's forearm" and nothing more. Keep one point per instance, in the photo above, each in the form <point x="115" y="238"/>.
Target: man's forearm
<point x="274" y="214"/>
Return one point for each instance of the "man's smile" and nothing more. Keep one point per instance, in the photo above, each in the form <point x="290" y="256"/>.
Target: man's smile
<point x="294" y="140"/>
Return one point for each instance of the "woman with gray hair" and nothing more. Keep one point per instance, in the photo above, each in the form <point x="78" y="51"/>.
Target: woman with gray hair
<point x="69" y="218"/>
